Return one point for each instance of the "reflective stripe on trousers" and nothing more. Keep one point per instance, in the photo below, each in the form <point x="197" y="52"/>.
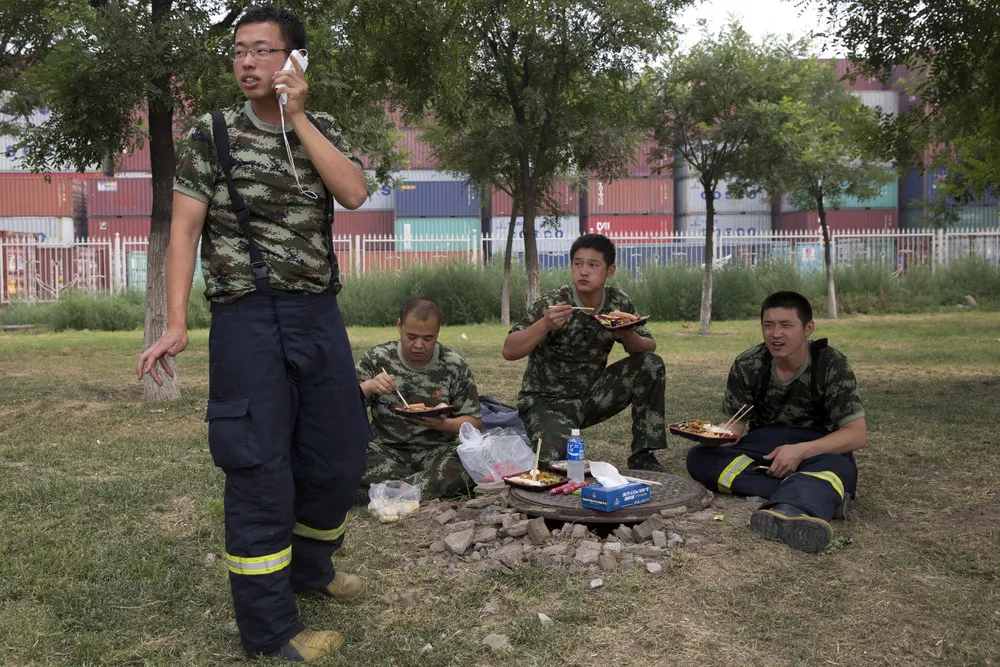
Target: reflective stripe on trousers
<point x="259" y="564"/>
<point x="828" y="476"/>
<point x="732" y="471"/>
<point x="303" y="530"/>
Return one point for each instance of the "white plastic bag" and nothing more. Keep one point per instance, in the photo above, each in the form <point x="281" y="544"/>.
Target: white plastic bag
<point x="488" y="457"/>
<point x="392" y="500"/>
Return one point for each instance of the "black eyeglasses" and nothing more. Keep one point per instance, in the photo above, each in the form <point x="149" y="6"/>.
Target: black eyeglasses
<point x="258" y="54"/>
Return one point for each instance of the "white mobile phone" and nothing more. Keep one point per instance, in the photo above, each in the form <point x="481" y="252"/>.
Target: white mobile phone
<point x="302" y="58"/>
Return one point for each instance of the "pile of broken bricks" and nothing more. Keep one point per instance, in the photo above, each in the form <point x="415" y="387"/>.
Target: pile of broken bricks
<point x="484" y="533"/>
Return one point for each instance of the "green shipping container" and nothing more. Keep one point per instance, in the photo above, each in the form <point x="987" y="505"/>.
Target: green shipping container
<point x="887" y="198"/>
<point x="976" y="217"/>
<point x="967" y="217"/>
<point x="441" y="234"/>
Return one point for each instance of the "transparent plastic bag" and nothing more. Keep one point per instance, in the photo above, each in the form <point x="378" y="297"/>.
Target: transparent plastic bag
<point x="392" y="500"/>
<point x="490" y="456"/>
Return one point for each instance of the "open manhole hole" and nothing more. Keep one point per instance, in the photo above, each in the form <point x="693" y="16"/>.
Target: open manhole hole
<point x="673" y="491"/>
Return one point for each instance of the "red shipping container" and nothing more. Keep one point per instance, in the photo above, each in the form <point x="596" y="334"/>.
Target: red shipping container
<point x="29" y="195"/>
<point x="563" y="193"/>
<point x="857" y="219"/>
<point x="616" y="225"/>
<point x="844" y="67"/>
<point x="137" y="160"/>
<point x="126" y="227"/>
<point x="640" y="165"/>
<point x="109" y="197"/>
<point x="364" y="223"/>
<point x="631" y="196"/>
<point x="418" y="153"/>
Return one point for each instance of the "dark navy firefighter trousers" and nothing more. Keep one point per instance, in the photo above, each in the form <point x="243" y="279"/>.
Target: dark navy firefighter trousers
<point x="817" y="487"/>
<point x="288" y="427"/>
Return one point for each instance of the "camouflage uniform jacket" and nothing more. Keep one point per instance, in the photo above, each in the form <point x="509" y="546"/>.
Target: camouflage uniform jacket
<point x="445" y="379"/>
<point x="568" y="361"/>
<point x="288" y="227"/>
<point x="788" y="402"/>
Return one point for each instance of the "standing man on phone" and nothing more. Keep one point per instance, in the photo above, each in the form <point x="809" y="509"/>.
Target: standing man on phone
<point x="287" y="422"/>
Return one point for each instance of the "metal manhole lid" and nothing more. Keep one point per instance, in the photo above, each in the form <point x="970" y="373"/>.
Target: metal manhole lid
<point x="674" y="492"/>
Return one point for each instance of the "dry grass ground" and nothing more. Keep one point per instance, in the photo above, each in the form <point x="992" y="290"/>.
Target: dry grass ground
<point x="108" y="508"/>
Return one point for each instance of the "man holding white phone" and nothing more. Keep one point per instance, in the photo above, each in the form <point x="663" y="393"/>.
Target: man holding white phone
<point x="287" y="423"/>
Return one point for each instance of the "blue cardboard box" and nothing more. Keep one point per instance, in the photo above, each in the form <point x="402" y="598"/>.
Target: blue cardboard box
<point x="596" y="497"/>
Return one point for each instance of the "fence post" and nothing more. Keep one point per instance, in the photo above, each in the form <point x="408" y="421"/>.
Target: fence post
<point x="474" y="250"/>
<point x="116" y="267"/>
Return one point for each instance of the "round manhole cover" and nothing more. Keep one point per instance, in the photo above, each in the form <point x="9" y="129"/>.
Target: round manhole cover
<point x="673" y="491"/>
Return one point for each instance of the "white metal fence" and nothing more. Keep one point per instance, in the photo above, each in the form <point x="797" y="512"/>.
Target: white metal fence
<point x="35" y="272"/>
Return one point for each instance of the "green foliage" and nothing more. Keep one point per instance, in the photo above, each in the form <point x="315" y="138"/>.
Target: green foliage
<point x="825" y="144"/>
<point x="953" y="53"/>
<point x="80" y="311"/>
<point x="520" y="93"/>
<point x="671" y="292"/>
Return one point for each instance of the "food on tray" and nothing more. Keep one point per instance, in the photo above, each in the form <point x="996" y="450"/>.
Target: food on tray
<point x="618" y="318"/>
<point x="702" y="431"/>
<point x="416" y="406"/>
<point x="540" y="479"/>
<point x="704" y="428"/>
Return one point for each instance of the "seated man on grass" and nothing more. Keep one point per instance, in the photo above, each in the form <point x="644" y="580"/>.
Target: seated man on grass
<point x="568" y="383"/>
<point x="805" y="422"/>
<point x="418" y="450"/>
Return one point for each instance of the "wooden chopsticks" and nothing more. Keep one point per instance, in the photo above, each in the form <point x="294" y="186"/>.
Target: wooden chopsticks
<point x="397" y="390"/>
<point x="740" y="414"/>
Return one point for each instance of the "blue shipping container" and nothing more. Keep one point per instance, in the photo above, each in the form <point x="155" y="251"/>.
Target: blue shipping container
<point x="437" y="199"/>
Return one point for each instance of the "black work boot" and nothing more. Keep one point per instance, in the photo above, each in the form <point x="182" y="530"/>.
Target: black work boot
<point x="645" y="460"/>
<point x="790" y="525"/>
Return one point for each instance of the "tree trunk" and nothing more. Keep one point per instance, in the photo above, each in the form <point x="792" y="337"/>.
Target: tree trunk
<point x="161" y="153"/>
<point x="705" y="320"/>
<point x="831" y="292"/>
<point x="533" y="289"/>
<point x="505" y="297"/>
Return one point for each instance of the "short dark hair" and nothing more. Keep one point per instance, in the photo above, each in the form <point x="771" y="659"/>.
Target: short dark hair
<point x="789" y="300"/>
<point x="421" y="308"/>
<point x="598" y="242"/>
<point x="292" y="30"/>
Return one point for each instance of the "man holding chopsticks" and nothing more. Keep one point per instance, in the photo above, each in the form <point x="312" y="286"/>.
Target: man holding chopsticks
<point x="805" y="416"/>
<point x="416" y="369"/>
<point x="568" y="383"/>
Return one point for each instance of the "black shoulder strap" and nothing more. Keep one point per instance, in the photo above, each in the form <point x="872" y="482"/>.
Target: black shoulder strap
<point x="760" y="391"/>
<point x="820" y="353"/>
<point x="239" y="205"/>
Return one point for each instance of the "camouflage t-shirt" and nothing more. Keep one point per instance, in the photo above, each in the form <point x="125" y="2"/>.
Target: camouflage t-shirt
<point x="288" y="227"/>
<point x="788" y="402"/>
<point x="445" y="379"/>
<point x="568" y="361"/>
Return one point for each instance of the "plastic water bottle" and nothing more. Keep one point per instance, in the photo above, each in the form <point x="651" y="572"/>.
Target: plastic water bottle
<point x="576" y="463"/>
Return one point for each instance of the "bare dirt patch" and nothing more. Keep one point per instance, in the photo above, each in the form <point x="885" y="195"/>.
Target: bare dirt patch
<point x="175" y="517"/>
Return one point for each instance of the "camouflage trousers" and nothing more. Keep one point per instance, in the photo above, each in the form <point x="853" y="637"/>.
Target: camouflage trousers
<point x="436" y="470"/>
<point x="639" y="380"/>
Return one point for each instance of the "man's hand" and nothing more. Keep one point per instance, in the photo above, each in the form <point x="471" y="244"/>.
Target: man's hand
<point x="557" y="316"/>
<point x="170" y="344"/>
<point x="439" y="423"/>
<point x="785" y="460"/>
<point x="295" y="87"/>
<point x="382" y="383"/>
